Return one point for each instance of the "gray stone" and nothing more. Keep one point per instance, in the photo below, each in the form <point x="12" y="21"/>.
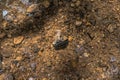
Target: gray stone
<point x="33" y="66"/>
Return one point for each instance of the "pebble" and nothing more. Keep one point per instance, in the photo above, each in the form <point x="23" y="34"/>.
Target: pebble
<point x="46" y="3"/>
<point x="9" y="77"/>
<point x="4" y="13"/>
<point x="4" y="24"/>
<point x="1" y="66"/>
<point x="78" y="23"/>
<point x="25" y="2"/>
<point x="112" y="59"/>
<point x="72" y="5"/>
<point x="60" y="44"/>
<point x="1" y="57"/>
<point x="35" y="48"/>
<point x="15" y="62"/>
<point x="2" y="35"/>
<point x="22" y="68"/>
<point x="18" y="40"/>
<point x="48" y="64"/>
<point x="86" y="54"/>
<point x="1" y="71"/>
<point x="44" y="79"/>
<point x="32" y="8"/>
<point x="70" y="38"/>
<point x="9" y="18"/>
<point x="7" y="52"/>
<point x="9" y="35"/>
<point x="111" y="28"/>
<point x="33" y="66"/>
<point x="78" y="3"/>
<point x="19" y="58"/>
<point x="31" y="78"/>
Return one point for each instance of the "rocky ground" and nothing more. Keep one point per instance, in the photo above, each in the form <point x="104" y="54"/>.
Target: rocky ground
<point x="60" y="40"/>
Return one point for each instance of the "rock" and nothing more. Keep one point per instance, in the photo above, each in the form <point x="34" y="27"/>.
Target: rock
<point x="32" y="8"/>
<point x="72" y="5"/>
<point x="6" y="52"/>
<point x="2" y="76"/>
<point x="33" y="66"/>
<point x="19" y="58"/>
<point x="19" y="19"/>
<point x="31" y="78"/>
<point x="1" y="66"/>
<point x="1" y="57"/>
<point x="48" y="63"/>
<point x="44" y="79"/>
<point x="4" y="13"/>
<point x="57" y="36"/>
<point x="1" y="72"/>
<point x="111" y="28"/>
<point x="70" y="38"/>
<point x="4" y="24"/>
<point x="112" y="59"/>
<point x="60" y="44"/>
<point x="9" y="35"/>
<point x="86" y="54"/>
<point x="35" y="48"/>
<point x="46" y="3"/>
<point x="78" y="3"/>
<point x="22" y="68"/>
<point x="78" y="23"/>
<point x="10" y="18"/>
<point x="42" y="49"/>
<point x="2" y="35"/>
<point x="79" y="50"/>
<point x="9" y="76"/>
<point x="14" y="62"/>
<point x="18" y="40"/>
<point x="25" y="2"/>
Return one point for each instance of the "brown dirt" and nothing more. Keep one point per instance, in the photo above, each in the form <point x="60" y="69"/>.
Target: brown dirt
<point x="93" y="53"/>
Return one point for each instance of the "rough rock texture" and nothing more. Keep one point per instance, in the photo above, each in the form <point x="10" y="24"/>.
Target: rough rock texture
<point x="92" y="28"/>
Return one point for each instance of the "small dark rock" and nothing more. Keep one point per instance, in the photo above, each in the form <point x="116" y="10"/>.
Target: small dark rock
<point x="9" y="77"/>
<point x="1" y="57"/>
<point x="1" y="65"/>
<point x="1" y="71"/>
<point x="16" y="63"/>
<point x="42" y="49"/>
<point x="61" y="44"/>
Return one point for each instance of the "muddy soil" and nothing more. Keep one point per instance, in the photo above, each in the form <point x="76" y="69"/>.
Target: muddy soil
<point x="60" y="40"/>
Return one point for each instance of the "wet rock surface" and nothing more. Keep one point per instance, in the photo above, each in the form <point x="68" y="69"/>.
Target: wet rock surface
<point x="59" y="40"/>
